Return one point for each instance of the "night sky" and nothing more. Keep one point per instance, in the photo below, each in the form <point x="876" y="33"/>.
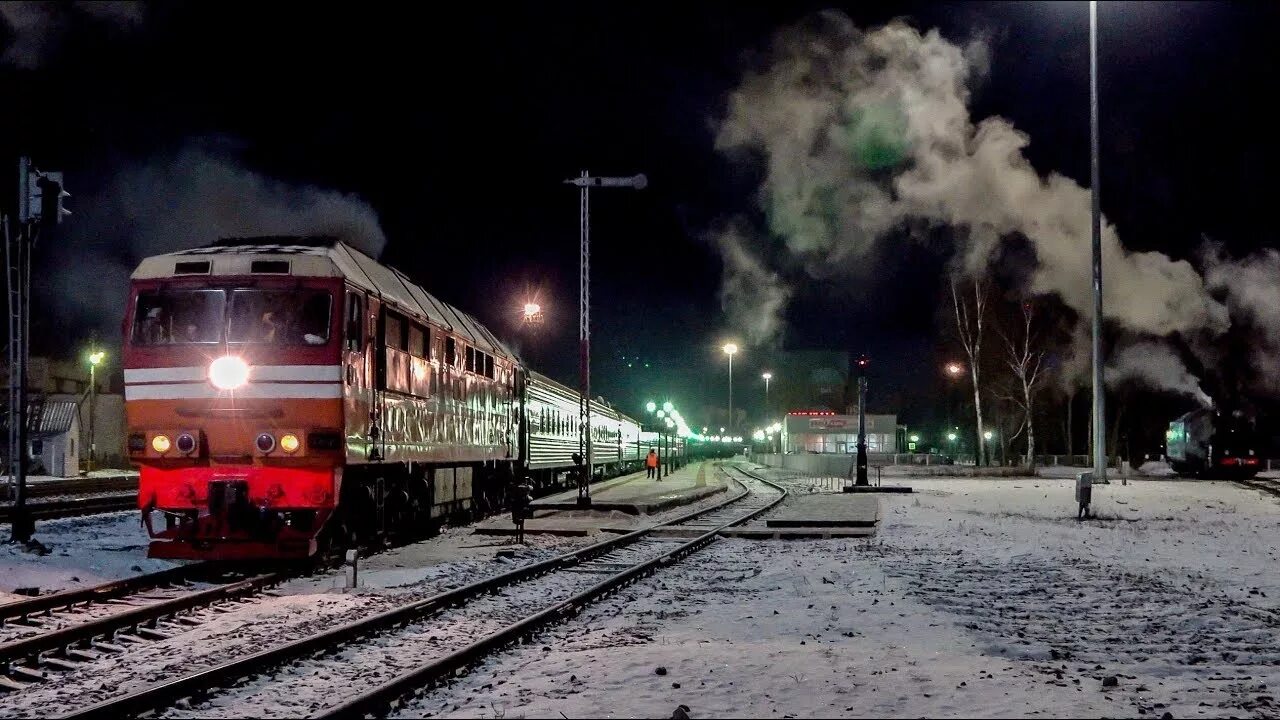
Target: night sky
<point x="458" y="129"/>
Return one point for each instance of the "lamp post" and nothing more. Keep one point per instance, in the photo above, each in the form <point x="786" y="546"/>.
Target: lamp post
<point x="730" y="349"/>
<point x="95" y="359"/>
<point x="767" y="377"/>
<point x="1099" y="418"/>
<point x="584" y="183"/>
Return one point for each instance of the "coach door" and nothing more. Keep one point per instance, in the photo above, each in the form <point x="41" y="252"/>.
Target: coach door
<point x="356" y="376"/>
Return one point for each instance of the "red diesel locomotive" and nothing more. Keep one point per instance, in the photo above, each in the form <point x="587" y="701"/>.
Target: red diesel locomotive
<point x="282" y="393"/>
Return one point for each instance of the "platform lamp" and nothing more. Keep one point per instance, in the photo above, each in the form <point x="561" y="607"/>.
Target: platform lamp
<point x="95" y="359"/>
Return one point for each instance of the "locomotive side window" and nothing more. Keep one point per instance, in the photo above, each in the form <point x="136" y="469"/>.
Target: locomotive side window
<point x="417" y="341"/>
<point x="178" y="317"/>
<point x="394" y="334"/>
<point x="287" y="317"/>
<point x="355" y="322"/>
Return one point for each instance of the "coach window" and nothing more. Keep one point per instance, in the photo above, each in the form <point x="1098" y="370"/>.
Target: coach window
<point x="471" y="359"/>
<point x="450" y="352"/>
<point x="488" y="366"/>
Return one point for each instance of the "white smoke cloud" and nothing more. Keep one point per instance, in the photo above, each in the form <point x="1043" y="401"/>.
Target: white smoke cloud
<point x="862" y="132"/>
<point x="1154" y="364"/>
<point x="36" y="26"/>
<point x="1252" y="289"/>
<point x="178" y="201"/>
<point x="752" y="296"/>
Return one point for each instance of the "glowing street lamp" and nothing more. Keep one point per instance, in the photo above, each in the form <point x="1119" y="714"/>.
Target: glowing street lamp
<point x="953" y="370"/>
<point x="951" y="436"/>
<point x="651" y="406"/>
<point x="767" y="377"/>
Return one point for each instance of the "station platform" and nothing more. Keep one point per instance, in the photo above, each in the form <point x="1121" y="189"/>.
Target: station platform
<point x="618" y="505"/>
<point x="817" y="516"/>
<point x="636" y="494"/>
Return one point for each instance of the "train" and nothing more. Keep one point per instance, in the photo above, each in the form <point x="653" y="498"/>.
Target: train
<point x="288" y="395"/>
<point x="1210" y="442"/>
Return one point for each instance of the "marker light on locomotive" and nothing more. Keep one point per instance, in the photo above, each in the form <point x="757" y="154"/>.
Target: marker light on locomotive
<point x="228" y="372"/>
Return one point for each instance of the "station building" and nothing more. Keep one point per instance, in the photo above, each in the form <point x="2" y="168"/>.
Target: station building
<point x="824" y="431"/>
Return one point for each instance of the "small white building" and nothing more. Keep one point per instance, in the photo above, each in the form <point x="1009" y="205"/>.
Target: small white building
<point x="55" y="441"/>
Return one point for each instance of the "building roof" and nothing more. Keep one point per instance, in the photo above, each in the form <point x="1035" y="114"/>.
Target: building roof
<point x="56" y="419"/>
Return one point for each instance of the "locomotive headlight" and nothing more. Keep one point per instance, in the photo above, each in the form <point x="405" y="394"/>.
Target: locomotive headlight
<point x="289" y="443"/>
<point x="228" y="372"/>
<point x="161" y="444"/>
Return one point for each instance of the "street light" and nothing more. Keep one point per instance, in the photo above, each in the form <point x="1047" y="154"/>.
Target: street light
<point x="651" y="406"/>
<point x="951" y="436"/>
<point x="584" y="183"/>
<point x="730" y="349"/>
<point x="95" y="359"/>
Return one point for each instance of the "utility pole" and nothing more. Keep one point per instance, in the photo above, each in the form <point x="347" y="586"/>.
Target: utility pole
<point x="584" y="183"/>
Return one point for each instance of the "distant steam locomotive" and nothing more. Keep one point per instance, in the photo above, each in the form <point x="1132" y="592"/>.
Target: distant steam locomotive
<point x="1211" y="442"/>
<point x="283" y="393"/>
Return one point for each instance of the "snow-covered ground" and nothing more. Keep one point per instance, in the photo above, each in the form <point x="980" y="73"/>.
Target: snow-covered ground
<point x="83" y="551"/>
<point x="976" y="599"/>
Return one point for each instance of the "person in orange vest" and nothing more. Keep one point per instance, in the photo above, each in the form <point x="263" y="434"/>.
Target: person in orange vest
<point x="651" y="463"/>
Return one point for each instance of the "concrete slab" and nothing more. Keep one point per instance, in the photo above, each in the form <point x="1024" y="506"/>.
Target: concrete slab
<point x="637" y="494"/>
<point x="873" y="489"/>
<point x="827" y="510"/>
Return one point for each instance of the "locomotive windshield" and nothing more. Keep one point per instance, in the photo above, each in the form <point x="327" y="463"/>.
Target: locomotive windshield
<point x="280" y="317"/>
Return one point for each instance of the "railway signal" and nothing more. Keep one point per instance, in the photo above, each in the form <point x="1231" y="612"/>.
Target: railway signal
<point x="39" y="205"/>
<point x="584" y="183"/>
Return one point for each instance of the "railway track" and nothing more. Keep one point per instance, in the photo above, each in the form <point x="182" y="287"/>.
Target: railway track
<point x="428" y="640"/>
<point x="1270" y="486"/>
<point x="75" y="507"/>
<point x="60" y="631"/>
<point x="80" y="486"/>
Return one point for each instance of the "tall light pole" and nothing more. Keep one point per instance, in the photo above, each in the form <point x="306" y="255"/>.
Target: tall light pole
<point x="767" y="377"/>
<point x="585" y="182"/>
<point x="730" y="349"/>
<point x="95" y="359"/>
<point x="1099" y="418"/>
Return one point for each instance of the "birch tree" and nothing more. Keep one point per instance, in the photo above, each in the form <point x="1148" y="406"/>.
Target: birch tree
<point x="1026" y="360"/>
<point x="969" y="328"/>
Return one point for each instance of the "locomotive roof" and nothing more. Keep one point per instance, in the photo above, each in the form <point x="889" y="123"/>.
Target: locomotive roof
<point x="315" y="256"/>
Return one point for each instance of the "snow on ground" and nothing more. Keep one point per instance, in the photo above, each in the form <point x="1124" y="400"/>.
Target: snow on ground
<point x="976" y="599"/>
<point x="84" y="551"/>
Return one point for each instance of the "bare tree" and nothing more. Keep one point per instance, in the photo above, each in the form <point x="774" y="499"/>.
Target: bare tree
<point x="1025" y="359"/>
<point x="969" y="328"/>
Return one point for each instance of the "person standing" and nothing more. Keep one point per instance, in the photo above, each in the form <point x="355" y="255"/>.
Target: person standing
<point x="651" y="463"/>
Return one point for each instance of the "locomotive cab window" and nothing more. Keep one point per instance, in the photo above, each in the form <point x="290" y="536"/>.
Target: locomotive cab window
<point x="284" y="317"/>
<point x="178" y="317"/>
